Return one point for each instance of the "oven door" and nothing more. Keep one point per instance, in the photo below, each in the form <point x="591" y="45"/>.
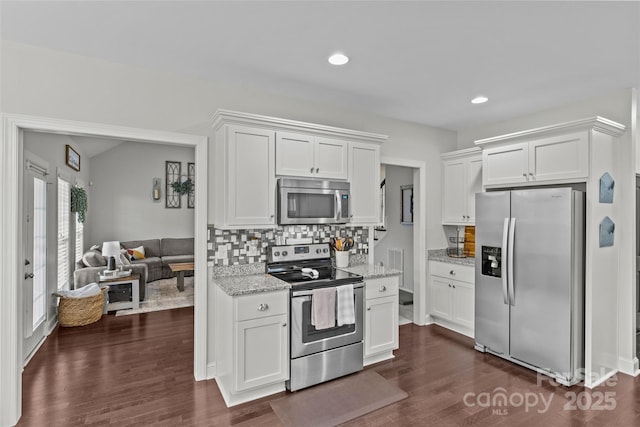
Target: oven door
<point x="305" y="339"/>
<point x="309" y="206"/>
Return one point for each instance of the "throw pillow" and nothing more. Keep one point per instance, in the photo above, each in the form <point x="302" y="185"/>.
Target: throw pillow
<point x="93" y="258"/>
<point x="124" y="259"/>
<point x="136" y="253"/>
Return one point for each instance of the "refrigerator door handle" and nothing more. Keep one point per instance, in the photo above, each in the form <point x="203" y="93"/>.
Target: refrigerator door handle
<point x="512" y="236"/>
<point x="505" y="237"/>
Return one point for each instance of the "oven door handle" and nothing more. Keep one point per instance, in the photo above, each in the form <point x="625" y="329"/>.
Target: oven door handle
<point x="309" y="292"/>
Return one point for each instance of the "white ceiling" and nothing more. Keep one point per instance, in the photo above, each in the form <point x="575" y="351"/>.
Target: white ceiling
<point x="416" y="61"/>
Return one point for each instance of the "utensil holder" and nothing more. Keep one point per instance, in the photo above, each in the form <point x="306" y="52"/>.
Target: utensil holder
<point x="342" y="259"/>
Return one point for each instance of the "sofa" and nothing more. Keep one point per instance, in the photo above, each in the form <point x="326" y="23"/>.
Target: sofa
<point x="158" y="254"/>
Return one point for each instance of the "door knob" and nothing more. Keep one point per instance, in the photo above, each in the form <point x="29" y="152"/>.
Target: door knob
<point x="26" y="262"/>
<point x="28" y="276"/>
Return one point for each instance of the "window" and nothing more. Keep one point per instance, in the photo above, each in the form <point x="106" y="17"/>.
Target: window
<point x="64" y="202"/>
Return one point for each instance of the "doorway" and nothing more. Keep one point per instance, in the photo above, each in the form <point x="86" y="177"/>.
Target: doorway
<point x="12" y="251"/>
<point x="401" y="242"/>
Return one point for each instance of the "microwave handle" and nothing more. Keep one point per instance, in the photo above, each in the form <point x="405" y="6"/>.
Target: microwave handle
<point x="339" y="206"/>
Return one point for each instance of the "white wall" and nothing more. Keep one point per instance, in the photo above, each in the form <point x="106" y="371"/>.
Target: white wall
<point x="121" y="206"/>
<point x="49" y="83"/>
<point x="398" y="235"/>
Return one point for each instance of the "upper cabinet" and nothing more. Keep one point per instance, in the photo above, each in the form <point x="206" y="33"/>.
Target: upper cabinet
<point x="557" y="158"/>
<point x="250" y="151"/>
<point x="309" y="156"/>
<point x="461" y="180"/>
<point x="364" y="176"/>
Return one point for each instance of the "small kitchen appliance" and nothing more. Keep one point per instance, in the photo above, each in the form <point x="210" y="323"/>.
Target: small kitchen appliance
<point x="317" y="355"/>
<point x="313" y="201"/>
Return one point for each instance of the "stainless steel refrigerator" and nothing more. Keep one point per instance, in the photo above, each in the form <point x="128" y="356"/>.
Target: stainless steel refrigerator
<point x="529" y="289"/>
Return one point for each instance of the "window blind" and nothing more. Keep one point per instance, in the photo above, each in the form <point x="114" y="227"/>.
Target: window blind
<point x="64" y="205"/>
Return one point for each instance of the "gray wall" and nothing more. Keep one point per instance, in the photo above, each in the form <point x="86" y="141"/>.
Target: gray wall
<point x="121" y="204"/>
<point x="398" y="235"/>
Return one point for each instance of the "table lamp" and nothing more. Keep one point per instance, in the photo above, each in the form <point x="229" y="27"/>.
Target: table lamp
<point x="111" y="251"/>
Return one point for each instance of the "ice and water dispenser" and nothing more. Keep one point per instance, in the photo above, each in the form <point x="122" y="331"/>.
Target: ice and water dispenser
<point x="492" y="261"/>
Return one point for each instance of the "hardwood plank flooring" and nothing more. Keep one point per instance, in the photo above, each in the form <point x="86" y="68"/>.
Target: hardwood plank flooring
<point x="138" y="370"/>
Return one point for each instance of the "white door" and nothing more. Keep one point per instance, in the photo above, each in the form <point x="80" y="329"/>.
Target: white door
<point x="463" y="304"/>
<point x="381" y="325"/>
<point x="294" y="154"/>
<point x="441" y="297"/>
<point x="330" y="158"/>
<point x="454" y="192"/>
<point x="474" y="185"/>
<point x="35" y="256"/>
<point x="505" y="165"/>
<point x="364" y="175"/>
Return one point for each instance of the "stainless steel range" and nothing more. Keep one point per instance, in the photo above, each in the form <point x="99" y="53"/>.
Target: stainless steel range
<point x="317" y="355"/>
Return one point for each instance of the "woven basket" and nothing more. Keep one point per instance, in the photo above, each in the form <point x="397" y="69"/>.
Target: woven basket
<point x="81" y="311"/>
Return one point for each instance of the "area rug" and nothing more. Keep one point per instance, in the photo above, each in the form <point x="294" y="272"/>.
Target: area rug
<point x="337" y="401"/>
<point x="163" y="295"/>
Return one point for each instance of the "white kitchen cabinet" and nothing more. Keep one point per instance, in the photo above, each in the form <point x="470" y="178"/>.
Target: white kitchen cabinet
<point x="310" y="156"/>
<point x="461" y="180"/>
<point x="381" y="319"/>
<point x="245" y="172"/>
<point x="252" y="345"/>
<point x="453" y="296"/>
<point x="364" y="176"/>
<point x="559" y="159"/>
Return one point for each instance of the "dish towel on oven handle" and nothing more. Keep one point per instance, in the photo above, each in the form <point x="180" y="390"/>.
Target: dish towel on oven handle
<point x="346" y="308"/>
<point x="323" y="308"/>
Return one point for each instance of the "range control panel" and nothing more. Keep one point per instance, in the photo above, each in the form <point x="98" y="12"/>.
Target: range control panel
<point x="298" y="252"/>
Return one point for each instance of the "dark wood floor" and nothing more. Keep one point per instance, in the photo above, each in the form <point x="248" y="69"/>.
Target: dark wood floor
<point x="138" y="370"/>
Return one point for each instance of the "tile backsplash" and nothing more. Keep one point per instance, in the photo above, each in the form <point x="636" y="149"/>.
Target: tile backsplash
<point x="237" y="247"/>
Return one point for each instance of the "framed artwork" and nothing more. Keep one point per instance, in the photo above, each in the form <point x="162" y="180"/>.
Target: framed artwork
<point x="72" y="158"/>
<point x="172" y="198"/>
<point x="406" y="212"/>
<point x="191" y="174"/>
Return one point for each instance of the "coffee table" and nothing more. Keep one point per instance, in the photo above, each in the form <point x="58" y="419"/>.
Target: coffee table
<point x="180" y="268"/>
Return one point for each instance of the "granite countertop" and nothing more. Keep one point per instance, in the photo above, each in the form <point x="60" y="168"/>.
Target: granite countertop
<point x="441" y="256"/>
<point x="372" y="271"/>
<point x="249" y="284"/>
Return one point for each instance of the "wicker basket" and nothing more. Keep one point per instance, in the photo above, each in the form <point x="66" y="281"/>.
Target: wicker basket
<point x="81" y="311"/>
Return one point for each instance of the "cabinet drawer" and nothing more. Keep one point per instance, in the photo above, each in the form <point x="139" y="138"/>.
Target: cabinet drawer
<point x="452" y="271"/>
<point x="263" y="304"/>
<point x="382" y="287"/>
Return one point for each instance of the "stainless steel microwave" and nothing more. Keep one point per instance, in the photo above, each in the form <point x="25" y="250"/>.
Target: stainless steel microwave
<point x="310" y="201"/>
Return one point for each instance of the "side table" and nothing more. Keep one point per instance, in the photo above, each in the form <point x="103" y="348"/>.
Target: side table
<point x="134" y="281"/>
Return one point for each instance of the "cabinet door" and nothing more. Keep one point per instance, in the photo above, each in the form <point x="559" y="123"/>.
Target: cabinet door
<point x="441" y="298"/>
<point x="505" y="165"/>
<point x="250" y="194"/>
<point x="294" y="154"/>
<point x="560" y="157"/>
<point x="454" y="192"/>
<point x="463" y="304"/>
<point x="473" y="178"/>
<point x="364" y="176"/>
<point x="330" y="158"/>
<point x="381" y="325"/>
<point x="262" y="355"/>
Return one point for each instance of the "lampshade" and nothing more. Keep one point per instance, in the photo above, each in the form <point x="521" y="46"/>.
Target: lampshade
<point x="111" y="249"/>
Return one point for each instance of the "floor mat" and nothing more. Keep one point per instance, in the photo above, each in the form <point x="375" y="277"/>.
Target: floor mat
<point x="337" y="401"/>
<point x="163" y="294"/>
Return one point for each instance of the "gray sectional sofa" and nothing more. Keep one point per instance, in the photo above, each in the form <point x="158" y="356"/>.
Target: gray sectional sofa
<point x="159" y="253"/>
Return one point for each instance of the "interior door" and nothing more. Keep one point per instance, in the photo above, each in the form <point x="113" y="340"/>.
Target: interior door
<point x="541" y="304"/>
<point x="35" y="256"/>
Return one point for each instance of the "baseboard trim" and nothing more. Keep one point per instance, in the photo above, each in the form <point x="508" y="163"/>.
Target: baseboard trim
<point x="628" y="366"/>
<point x="211" y="371"/>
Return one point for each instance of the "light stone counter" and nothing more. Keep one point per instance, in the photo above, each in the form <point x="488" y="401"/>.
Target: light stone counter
<point x="372" y="271"/>
<point x="441" y="256"/>
<point x="249" y="284"/>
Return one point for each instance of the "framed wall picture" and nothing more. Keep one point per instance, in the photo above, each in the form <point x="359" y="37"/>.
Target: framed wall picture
<point x="191" y="174"/>
<point x="173" y="170"/>
<point x="72" y="158"/>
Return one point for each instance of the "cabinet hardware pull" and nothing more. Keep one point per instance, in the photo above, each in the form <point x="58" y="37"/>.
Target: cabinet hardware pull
<point x="454" y="286"/>
<point x="383" y="288"/>
<point x="311" y="170"/>
<point x="453" y="273"/>
<point x="368" y="308"/>
<point x="449" y="285"/>
<point x="284" y="325"/>
<point x="28" y="275"/>
<point x="263" y="307"/>
<point x="524" y="174"/>
<point x="317" y="170"/>
<point x="271" y="216"/>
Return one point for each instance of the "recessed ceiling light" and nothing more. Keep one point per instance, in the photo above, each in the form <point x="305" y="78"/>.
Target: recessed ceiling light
<point x="479" y="100"/>
<point x="338" y="59"/>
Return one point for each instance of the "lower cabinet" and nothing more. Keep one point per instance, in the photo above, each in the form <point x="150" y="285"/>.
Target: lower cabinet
<point x="453" y="296"/>
<point x="381" y="319"/>
<point x="252" y="345"/>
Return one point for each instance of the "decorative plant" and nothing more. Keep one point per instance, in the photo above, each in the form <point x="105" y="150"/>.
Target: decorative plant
<point x="182" y="188"/>
<point x="79" y="202"/>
